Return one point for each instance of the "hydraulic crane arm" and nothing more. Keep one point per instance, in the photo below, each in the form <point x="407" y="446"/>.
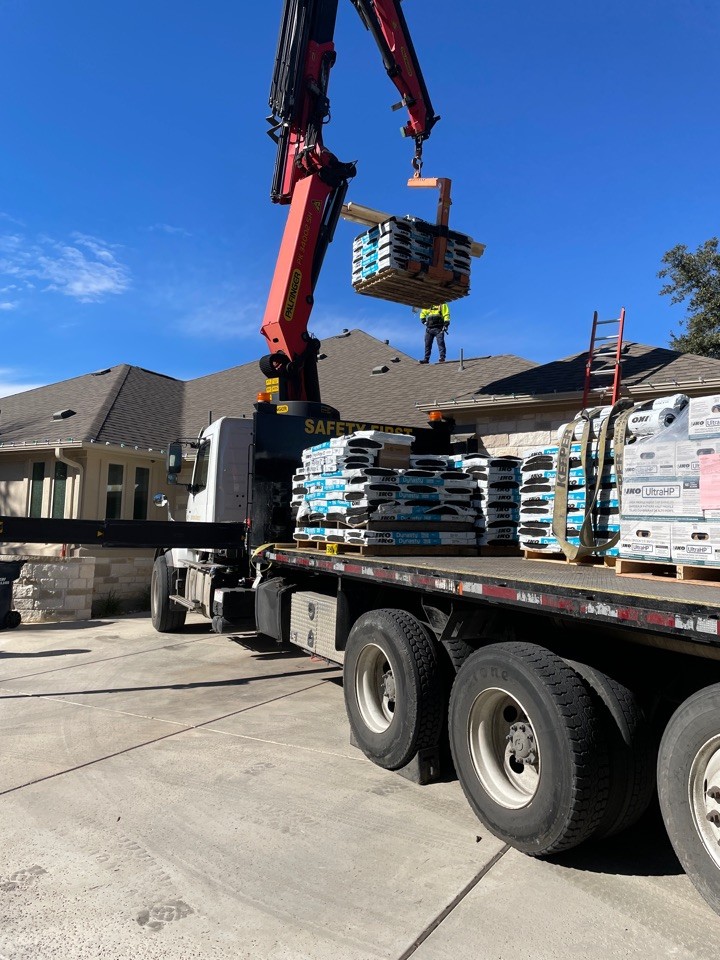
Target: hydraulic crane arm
<point x="312" y="179"/>
<point x="386" y="22"/>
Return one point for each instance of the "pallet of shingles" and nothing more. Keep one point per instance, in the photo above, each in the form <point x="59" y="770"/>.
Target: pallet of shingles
<point x="496" y="498"/>
<point x="537" y="501"/>
<point x="368" y="505"/>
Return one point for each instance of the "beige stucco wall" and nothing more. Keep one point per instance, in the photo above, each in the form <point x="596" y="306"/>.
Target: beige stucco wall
<point x="120" y="578"/>
<point x="13" y="485"/>
<point x="86" y="487"/>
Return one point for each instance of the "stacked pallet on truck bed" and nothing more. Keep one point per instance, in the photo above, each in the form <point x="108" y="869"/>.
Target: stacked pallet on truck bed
<point x="368" y="490"/>
<point x="592" y="513"/>
<point x="496" y="498"/>
<point x="538" y="492"/>
<point x="671" y="491"/>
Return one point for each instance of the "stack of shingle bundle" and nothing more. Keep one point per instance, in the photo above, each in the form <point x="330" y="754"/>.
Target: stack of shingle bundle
<point x="337" y="500"/>
<point x="496" y="498"/>
<point x="538" y="496"/>
<point x="393" y="243"/>
<point x="671" y="497"/>
<point x="386" y="259"/>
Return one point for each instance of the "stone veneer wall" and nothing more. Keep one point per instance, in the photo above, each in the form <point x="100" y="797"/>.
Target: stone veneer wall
<point x="516" y="433"/>
<point x="54" y="588"/>
<point x="125" y="578"/>
<point x="78" y="588"/>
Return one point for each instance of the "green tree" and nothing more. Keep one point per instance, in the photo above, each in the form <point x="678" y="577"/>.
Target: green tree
<point x="695" y="276"/>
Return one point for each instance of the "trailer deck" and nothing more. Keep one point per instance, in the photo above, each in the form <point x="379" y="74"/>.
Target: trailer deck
<point x="690" y="611"/>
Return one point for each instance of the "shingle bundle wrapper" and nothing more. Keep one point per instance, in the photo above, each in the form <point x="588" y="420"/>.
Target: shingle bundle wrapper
<point x="370" y="504"/>
<point x="667" y="517"/>
<point x="496" y="497"/>
<point x="383" y="255"/>
<point x="538" y="494"/>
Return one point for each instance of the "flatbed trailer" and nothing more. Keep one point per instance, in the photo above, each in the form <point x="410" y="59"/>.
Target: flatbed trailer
<point x="562" y="695"/>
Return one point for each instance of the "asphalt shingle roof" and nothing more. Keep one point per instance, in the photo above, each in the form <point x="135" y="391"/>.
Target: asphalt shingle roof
<point x="123" y="404"/>
<point x="641" y="365"/>
<point x="127" y="404"/>
<point x="348" y="384"/>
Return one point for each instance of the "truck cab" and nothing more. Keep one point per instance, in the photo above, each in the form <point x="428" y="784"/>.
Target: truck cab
<point x="219" y="491"/>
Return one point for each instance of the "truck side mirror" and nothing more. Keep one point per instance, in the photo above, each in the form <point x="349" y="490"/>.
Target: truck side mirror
<point x="174" y="462"/>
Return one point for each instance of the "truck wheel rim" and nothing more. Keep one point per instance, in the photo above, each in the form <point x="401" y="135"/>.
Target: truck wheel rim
<point x="504" y="749"/>
<point x="375" y="688"/>
<point x="704" y="790"/>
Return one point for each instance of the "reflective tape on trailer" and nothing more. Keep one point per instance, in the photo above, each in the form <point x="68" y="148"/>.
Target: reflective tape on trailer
<point x="702" y="625"/>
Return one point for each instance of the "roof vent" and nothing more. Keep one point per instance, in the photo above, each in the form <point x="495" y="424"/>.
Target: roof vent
<point x="345" y="333"/>
<point x="101" y="373"/>
<point x="378" y="370"/>
<point x="63" y="414"/>
<point x="386" y="342"/>
<point x="322" y="356"/>
<point x="395" y="360"/>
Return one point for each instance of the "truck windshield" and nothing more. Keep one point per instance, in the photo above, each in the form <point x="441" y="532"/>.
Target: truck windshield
<point x="201" y="467"/>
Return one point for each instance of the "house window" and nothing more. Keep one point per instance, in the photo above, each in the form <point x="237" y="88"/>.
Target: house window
<point x="58" y="495"/>
<point x="36" y="489"/>
<point x="142" y="486"/>
<point x="113" y="499"/>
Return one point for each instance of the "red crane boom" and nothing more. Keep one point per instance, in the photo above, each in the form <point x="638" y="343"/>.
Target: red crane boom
<point x="310" y="178"/>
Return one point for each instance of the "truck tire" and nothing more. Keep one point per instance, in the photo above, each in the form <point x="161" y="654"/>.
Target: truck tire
<point x="632" y="750"/>
<point x="166" y="616"/>
<point x="688" y="774"/>
<point x="528" y="747"/>
<point x="394" y="694"/>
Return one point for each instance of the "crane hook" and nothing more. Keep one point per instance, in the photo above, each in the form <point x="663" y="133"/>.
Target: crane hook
<point x="417" y="160"/>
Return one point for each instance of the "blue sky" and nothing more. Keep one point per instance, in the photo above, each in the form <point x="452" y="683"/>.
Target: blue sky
<point x="135" y="221"/>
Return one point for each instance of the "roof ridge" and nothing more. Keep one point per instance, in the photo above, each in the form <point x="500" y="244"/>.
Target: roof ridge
<point x="106" y="409"/>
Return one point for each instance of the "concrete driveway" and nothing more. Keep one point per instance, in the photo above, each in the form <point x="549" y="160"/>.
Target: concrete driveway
<point x="195" y="796"/>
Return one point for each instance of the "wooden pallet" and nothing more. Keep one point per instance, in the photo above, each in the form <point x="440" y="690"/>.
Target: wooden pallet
<point x="412" y="289"/>
<point x="386" y="550"/>
<point x="656" y="570"/>
<point x="592" y="561"/>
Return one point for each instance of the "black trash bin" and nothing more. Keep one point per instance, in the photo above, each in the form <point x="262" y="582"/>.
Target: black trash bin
<point x="9" y="572"/>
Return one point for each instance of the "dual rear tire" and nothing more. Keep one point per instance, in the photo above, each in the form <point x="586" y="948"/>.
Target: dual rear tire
<point x="547" y="753"/>
<point x="528" y="747"/>
<point x="394" y="695"/>
<point x="688" y="776"/>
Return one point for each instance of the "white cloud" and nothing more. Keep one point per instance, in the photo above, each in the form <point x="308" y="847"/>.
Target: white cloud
<point x="84" y="268"/>
<point x="402" y="329"/>
<point x="11" y="382"/>
<point x="223" y="317"/>
<point x="168" y="228"/>
<point x="8" y="304"/>
<point x="6" y="216"/>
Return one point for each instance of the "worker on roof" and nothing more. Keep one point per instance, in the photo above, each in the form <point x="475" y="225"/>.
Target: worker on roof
<point x="436" y="321"/>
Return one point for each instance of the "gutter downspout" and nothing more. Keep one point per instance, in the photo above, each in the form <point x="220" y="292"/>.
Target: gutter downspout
<point x="77" y="488"/>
